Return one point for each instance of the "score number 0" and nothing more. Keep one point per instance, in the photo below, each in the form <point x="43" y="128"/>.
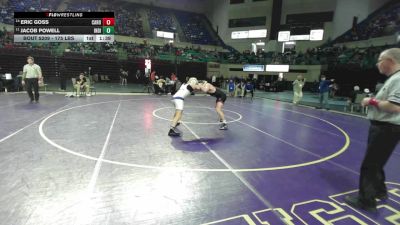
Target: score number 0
<point x="108" y="21"/>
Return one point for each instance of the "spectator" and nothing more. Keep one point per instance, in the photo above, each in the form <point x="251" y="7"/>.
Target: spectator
<point x="324" y="92"/>
<point x="298" y="85"/>
<point x="231" y="88"/>
<point x="353" y="95"/>
<point x="123" y="77"/>
<point x="249" y="87"/>
<point x="334" y="88"/>
<point x="81" y="83"/>
<point x="214" y="80"/>
<point x="173" y="77"/>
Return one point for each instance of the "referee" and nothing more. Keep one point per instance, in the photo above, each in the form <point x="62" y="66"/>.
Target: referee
<point x="383" y="136"/>
<point x="31" y="76"/>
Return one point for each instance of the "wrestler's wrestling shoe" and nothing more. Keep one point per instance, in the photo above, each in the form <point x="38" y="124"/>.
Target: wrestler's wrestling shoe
<point x="223" y="126"/>
<point x="173" y="132"/>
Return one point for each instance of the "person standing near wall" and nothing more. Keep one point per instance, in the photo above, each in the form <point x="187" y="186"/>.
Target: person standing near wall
<point x="231" y="88"/>
<point x="124" y="77"/>
<point x="238" y="88"/>
<point x="383" y="135"/>
<point x="32" y="76"/>
<point x="324" y="92"/>
<point x="249" y="87"/>
<point x="298" y="85"/>
<point x="214" y="80"/>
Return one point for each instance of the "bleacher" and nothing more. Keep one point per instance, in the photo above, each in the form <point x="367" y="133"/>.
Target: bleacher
<point x="6" y="14"/>
<point x="161" y="19"/>
<point x="194" y="28"/>
<point x="82" y="6"/>
<point x="348" y="65"/>
<point x="25" y="5"/>
<point x="75" y="65"/>
<point x="34" y="6"/>
<point x="383" y="22"/>
<point x="128" y="22"/>
<point x="48" y="63"/>
<point x="42" y="58"/>
<point x="128" y="19"/>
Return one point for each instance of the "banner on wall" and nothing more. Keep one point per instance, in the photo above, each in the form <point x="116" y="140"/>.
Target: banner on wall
<point x="283" y="36"/>
<point x="260" y="33"/>
<point x="277" y="68"/>
<point x="163" y="34"/>
<point x="253" y="68"/>
<point x="317" y="35"/>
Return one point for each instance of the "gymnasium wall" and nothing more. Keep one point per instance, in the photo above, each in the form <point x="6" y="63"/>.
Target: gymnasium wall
<point x="185" y="5"/>
<point x="221" y="11"/>
<point x="347" y="9"/>
<point x="380" y="41"/>
<point x="161" y="42"/>
<point x="310" y="72"/>
<point x="302" y="46"/>
<point x="309" y="6"/>
<point x="306" y="6"/>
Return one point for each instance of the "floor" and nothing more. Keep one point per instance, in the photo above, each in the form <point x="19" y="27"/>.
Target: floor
<point x="107" y="159"/>
<point x="309" y="98"/>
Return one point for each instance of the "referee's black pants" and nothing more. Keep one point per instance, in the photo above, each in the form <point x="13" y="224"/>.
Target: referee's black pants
<point x="32" y="83"/>
<point x="382" y="140"/>
<point x="251" y="91"/>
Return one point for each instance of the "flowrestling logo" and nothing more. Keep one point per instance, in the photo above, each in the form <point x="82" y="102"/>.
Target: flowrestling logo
<point x="331" y="210"/>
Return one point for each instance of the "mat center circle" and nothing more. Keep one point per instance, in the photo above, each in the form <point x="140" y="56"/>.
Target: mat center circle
<point x="158" y="113"/>
<point x="177" y="168"/>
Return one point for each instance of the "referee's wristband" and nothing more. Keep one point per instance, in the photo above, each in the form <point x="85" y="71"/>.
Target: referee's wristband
<point x="373" y="102"/>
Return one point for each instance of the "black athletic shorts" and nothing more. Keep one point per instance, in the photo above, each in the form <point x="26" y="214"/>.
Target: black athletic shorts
<point x="220" y="95"/>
